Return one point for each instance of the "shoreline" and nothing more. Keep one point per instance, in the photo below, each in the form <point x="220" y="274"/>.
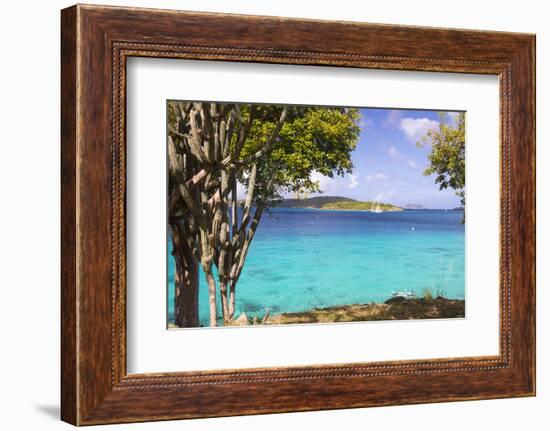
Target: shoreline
<point x="452" y="210"/>
<point x="397" y="308"/>
<point x="340" y="209"/>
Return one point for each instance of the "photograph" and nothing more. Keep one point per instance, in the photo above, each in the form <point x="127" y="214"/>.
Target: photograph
<point x="297" y="214"/>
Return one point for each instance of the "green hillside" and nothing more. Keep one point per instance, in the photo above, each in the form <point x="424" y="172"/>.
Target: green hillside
<point x="360" y="206"/>
<point x="334" y="203"/>
<point x="315" y="202"/>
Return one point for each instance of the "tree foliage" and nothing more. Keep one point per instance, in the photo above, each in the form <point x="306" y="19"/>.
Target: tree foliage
<point x="447" y="155"/>
<point x="312" y="139"/>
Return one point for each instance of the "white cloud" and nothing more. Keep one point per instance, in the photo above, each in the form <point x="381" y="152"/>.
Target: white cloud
<point x="378" y="176"/>
<point x="393" y="152"/>
<point x="336" y="185"/>
<point x="325" y="183"/>
<point x="353" y="181"/>
<point x="366" y="122"/>
<point x="412" y="164"/>
<point x="415" y="128"/>
<point x="384" y="196"/>
<point x="393" y="118"/>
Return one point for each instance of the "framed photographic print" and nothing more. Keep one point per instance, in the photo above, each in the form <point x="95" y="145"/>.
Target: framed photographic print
<point x="326" y="222"/>
<point x="286" y="158"/>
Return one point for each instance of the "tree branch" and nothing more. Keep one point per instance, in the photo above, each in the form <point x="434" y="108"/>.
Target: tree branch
<point x="249" y="195"/>
<point x="229" y="129"/>
<point x="195" y="141"/>
<point x="234" y="221"/>
<point x="184" y="109"/>
<point x="191" y="204"/>
<point x="243" y="131"/>
<point x="207" y="132"/>
<point x="172" y="130"/>
<point x="252" y="230"/>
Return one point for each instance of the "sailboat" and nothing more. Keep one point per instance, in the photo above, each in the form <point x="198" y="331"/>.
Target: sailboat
<point x="376" y="209"/>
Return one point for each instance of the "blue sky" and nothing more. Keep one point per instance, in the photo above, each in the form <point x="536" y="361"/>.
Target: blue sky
<point x="388" y="165"/>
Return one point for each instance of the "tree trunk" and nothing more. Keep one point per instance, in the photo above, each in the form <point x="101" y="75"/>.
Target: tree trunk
<point x="232" y="300"/>
<point x="225" y="301"/>
<point x="211" y="294"/>
<point x="186" y="279"/>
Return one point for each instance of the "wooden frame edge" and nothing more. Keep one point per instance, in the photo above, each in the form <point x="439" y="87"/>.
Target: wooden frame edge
<point x="69" y="305"/>
<point x="93" y="393"/>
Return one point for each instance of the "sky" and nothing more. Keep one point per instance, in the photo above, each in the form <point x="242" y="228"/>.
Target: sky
<point x="388" y="165"/>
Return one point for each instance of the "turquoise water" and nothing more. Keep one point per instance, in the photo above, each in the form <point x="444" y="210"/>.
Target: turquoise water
<point x="305" y="258"/>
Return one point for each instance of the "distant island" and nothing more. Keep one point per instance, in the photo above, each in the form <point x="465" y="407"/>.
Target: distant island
<point x="335" y="203"/>
<point x="361" y="206"/>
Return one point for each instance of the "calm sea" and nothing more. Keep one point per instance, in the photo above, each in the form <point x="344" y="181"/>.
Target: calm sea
<point x="305" y="258"/>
